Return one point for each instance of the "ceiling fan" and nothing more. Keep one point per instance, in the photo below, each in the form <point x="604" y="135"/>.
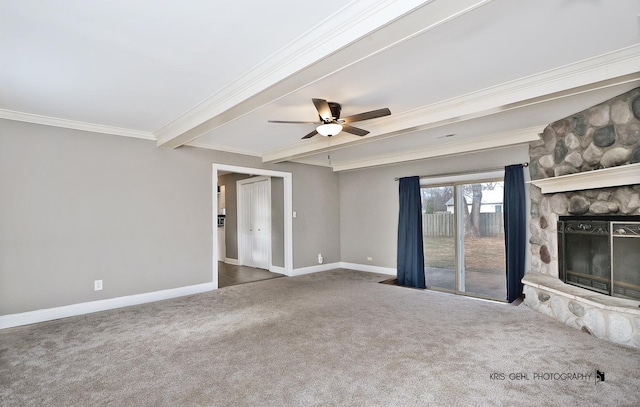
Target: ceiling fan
<point x="330" y="122"/>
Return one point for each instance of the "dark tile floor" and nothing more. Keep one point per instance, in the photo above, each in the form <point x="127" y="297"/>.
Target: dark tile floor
<point x="229" y="274"/>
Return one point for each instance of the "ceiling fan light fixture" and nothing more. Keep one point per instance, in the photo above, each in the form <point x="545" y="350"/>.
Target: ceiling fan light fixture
<point x="329" y="129"/>
<point x="331" y="124"/>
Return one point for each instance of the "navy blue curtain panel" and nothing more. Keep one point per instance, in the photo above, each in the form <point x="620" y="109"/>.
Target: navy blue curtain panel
<point x="515" y="228"/>
<point x="410" y="250"/>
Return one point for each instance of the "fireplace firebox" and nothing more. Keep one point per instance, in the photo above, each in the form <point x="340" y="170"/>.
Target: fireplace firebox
<point x="601" y="253"/>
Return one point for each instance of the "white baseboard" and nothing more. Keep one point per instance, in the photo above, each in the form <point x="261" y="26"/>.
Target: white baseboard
<point x="277" y="270"/>
<point x="228" y="260"/>
<point x="315" y="269"/>
<point x="344" y="265"/>
<point x="369" y="268"/>
<point x="49" y="314"/>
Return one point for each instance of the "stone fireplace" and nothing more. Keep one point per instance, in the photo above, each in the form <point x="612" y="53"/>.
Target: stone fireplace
<point x="587" y="166"/>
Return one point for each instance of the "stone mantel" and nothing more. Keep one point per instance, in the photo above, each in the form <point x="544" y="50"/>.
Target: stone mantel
<point x="607" y="177"/>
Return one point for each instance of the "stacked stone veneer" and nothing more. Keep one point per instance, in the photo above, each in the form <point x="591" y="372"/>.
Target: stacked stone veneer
<point x="603" y="136"/>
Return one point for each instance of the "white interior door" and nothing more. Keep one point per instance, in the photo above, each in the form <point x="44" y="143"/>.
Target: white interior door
<point x="254" y="222"/>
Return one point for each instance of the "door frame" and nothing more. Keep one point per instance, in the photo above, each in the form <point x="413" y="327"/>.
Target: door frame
<point x="288" y="213"/>
<point x="240" y="200"/>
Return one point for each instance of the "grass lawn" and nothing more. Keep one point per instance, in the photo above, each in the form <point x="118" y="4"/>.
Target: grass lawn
<point x="483" y="254"/>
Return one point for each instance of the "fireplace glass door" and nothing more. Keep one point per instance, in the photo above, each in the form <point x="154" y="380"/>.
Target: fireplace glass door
<point x="601" y="254"/>
<point x="586" y="256"/>
<point x="625" y="243"/>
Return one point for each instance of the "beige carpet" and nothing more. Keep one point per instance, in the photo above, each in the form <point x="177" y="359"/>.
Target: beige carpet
<point x="329" y="339"/>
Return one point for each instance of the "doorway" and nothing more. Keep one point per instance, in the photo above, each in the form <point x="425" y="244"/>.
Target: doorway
<point x="284" y="192"/>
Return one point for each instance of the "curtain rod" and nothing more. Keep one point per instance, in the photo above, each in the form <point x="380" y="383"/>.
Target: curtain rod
<point x="450" y="174"/>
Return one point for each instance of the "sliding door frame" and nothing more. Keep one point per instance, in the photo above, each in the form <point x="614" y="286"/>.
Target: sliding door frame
<point x="458" y="196"/>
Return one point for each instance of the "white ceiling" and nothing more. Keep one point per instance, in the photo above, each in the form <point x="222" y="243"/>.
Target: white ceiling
<point x="210" y="74"/>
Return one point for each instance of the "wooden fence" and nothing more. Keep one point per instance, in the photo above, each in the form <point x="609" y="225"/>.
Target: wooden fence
<point x="438" y="224"/>
<point x="443" y="224"/>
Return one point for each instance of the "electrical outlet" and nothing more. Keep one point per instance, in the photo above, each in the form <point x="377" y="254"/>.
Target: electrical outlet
<point x="369" y="258"/>
<point x="97" y="285"/>
<point x="320" y="259"/>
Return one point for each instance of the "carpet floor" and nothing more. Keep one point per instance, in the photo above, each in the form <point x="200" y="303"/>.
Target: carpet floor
<point x="335" y="338"/>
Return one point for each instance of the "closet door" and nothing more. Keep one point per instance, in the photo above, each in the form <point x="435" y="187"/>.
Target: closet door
<point x="254" y="222"/>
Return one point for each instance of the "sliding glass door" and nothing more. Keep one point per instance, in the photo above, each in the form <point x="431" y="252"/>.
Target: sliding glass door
<point x="439" y="236"/>
<point x="464" y="238"/>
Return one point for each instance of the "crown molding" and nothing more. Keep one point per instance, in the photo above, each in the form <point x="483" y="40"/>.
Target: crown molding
<point x="493" y="141"/>
<point x="322" y="51"/>
<point x="223" y="149"/>
<point x="609" y="69"/>
<point x="603" y="178"/>
<point x="312" y="162"/>
<point x="75" y="125"/>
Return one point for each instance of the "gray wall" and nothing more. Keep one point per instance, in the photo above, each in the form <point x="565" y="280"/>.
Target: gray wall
<point x="318" y="216"/>
<point x="369" y="201"/>
<point x="78" y="206"/>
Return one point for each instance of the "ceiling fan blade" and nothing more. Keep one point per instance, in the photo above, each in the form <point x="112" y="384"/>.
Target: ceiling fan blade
<point x="292" y="122"/>
<point x="354" y="130"/>
<point x="313" y="133"/>
<point x="323" y="109"/>
<point x="367" y="115"/>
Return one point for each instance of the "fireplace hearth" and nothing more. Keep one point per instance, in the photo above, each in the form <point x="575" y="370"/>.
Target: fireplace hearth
<point x="601" y="254"/>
